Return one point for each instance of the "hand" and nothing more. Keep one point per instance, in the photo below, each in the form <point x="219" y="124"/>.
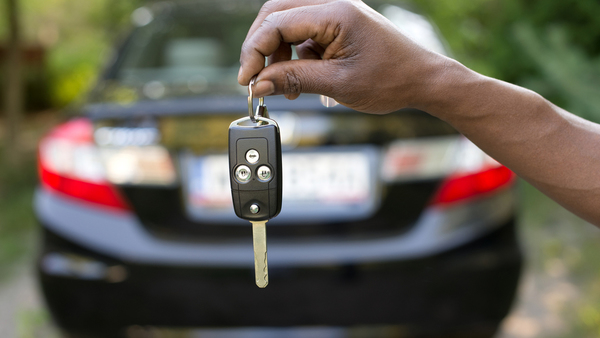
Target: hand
<point x="347" y="51"/>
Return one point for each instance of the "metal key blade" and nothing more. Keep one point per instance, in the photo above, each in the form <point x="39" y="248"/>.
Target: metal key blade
<point x="259" y="234"/>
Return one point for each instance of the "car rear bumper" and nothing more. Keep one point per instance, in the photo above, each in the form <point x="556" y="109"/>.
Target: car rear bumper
<point x="472" y="286"/>
<point x="122" y="236"/>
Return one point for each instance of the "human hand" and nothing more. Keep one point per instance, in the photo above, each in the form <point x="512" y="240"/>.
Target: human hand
<point x="347" y="51"/>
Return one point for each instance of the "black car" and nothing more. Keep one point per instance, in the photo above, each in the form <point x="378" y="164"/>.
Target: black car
<point x="391" y="225"/>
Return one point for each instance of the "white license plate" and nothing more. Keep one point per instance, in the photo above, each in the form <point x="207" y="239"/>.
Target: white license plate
<point x="342" y="177"/>
<point x="313" y="181"/>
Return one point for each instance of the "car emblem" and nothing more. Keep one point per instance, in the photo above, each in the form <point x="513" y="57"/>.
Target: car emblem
<point x="120" y="136"/>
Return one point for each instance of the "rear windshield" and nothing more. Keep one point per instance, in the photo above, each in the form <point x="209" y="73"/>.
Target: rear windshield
<point x="187" y="51"/>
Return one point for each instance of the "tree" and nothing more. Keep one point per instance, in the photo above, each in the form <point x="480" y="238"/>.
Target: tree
<point x="13" y="91"/>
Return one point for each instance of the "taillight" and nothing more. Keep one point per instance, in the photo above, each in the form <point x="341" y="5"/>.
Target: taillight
<point x="70" y="163"/>
<point x="463" y="187"/>
<point x="467" y="172"/>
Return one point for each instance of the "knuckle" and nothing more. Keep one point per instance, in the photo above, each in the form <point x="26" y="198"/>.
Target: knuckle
<point x="348" y="7"/>
<point x="271" y="11"/>
<point x="245" y="51"/>
<point x="244" y="48"/>
<point x="344" y="4"/>
<point x="272" y="18"/>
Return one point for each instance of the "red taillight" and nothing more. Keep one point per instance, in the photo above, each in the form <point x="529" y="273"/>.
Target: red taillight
<point x="463" y="187"/>
<point x="103" y="194"/>
<point x="69" y="163"/>
<point x="468" y="171"/>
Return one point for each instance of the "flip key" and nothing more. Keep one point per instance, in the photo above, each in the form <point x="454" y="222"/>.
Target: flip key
<point x="255" y="176"/>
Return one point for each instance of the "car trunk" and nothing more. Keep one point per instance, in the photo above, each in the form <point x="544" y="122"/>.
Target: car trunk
<point x="194" y="132"/>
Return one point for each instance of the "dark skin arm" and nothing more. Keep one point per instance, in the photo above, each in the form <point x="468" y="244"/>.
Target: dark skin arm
<point x="356" y="56"/>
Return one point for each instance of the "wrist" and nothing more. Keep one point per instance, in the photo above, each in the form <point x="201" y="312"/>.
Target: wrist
<point x="446" y="88"/>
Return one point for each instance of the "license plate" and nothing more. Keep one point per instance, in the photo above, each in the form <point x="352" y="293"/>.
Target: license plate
<point x="321" y="183"/>
<point x="330" y="178"/>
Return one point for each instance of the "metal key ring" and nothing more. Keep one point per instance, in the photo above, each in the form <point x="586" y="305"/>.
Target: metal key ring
<point x="251" y="99"/>
<point x="261" y="102"/>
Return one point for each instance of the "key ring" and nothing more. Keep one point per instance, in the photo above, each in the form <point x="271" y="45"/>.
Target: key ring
<point x="251" y="99"/>
<point x="261" y="101"/>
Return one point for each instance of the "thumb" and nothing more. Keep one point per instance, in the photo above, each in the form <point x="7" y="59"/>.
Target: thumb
<point x="299" y="76"/>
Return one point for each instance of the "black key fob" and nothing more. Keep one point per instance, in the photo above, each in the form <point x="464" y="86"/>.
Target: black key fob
<point x="255" y="168"/>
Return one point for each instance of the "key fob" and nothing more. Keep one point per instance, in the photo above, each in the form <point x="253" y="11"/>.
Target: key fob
<point x="255" y="168"/>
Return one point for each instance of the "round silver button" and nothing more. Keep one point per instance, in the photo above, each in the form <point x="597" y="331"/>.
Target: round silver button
<point x="252" y="156"/>
<point x="254" y="208"/>
<point x="243" y="174"/>
<point x="264" y="173"/>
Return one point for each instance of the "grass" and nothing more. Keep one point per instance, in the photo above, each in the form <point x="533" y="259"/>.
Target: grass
<point x="35" y="323"/>
<point x="17" y="223"/>
<point x="18" y="227"/>
<point x="17" y="185"/>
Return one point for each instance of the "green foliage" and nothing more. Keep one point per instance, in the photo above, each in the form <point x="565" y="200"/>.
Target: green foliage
<point x="567" y="73"/>
<point x="78" y="36"/>
<point x="548" y="46"/>
<point x="74" y="66"/>
<point x="476" y="31"/>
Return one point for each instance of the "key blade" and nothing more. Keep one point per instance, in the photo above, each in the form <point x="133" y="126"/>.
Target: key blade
<point x="259" y="235"/>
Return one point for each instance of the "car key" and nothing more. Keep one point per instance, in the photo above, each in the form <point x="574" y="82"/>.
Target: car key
<point x="255" y="176"/>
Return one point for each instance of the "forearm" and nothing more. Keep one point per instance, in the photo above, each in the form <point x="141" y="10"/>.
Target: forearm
<point x="557" y="152"/>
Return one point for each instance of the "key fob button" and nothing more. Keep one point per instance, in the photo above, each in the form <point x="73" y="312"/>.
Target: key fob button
<point x="254" y="208"/>
<point x="264" y="173"/>
<point x="252" y="156"/>
<point x="243" y="174"/>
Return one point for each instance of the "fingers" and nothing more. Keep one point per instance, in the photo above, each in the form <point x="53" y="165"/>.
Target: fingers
<point x="310" y="50"/>
<point x="305" y="50"/>
<point x="290" y="26"/>
<point x="283" y="53"/>
<point x="268" y="8"/>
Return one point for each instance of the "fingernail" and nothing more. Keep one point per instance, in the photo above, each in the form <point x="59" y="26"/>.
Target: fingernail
<point x="240" y="73"/>
<point x="263" y="88"/>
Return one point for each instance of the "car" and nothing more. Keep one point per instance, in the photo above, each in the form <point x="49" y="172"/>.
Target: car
<point x="391" y="226"/>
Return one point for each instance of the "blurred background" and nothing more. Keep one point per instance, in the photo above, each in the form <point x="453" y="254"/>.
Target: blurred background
<point x="52" y="50"/>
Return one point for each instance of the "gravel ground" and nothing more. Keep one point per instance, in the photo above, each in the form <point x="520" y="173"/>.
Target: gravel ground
<point x="22" y="313"/>
<point x="539" y="307"/>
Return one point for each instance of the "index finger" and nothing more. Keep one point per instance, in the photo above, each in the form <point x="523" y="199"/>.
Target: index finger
<point x="273" y="6"/>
